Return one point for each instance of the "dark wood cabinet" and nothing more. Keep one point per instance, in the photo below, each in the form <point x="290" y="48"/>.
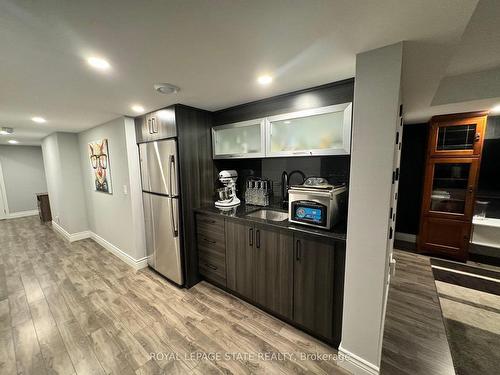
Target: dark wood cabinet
<point x="240" y="258"/>
<point x="273" y="262"/>
<point x="451" y="175"/>
<point x="298" y="277"/>
<point x="43" y="203"/>
<point x="313" y="287"/>
<point x="211" y="244"/>
<point x="156" y="125"/>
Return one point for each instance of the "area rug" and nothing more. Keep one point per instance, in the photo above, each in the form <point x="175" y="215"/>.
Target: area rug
<point x="470" y="303"/>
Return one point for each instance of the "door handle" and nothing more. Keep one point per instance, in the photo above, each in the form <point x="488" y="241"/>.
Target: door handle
<point x="175" y="230"/>
<point x="171" y="169"/>
<point x="149" y="126"/>
<point x="250" y="236"/>
<point x="257" y="238"/>
<point x="297" y="250"/>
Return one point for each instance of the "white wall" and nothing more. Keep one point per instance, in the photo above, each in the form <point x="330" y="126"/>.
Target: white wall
<point x="117" y="217"/>
<point x="64" y="181"/>
<point x="23" y="175"/>
<point x="376" y="105"/>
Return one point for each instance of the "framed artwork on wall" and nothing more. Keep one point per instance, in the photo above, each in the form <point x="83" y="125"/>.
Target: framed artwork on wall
<point x="100" y="166"/>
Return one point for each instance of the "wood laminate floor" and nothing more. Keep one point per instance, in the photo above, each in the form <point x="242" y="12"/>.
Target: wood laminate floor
<point x="415" y="341"/>
<point x="77" y="309"/>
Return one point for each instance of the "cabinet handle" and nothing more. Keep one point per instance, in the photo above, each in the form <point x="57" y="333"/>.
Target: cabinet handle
<point x="149" y="126"/>
<point x="212" y="267"/>
<point x="250" y="236"/>
<point x="257" y="238"/>
<point x="477" y="137"/>
<point x="297" y="250"/>
<point x="153" y="122"/>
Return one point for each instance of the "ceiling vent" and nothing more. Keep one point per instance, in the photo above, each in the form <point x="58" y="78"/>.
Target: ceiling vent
<point x="4" y="131"/>
<point x="166" y="88"/>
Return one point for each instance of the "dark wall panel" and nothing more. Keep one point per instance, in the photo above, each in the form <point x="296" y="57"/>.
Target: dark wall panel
<point x="411" y="180"/>
<point x="320" y="96"/>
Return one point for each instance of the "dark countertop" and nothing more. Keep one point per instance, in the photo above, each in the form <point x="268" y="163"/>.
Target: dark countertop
<point x="338" y="232"/>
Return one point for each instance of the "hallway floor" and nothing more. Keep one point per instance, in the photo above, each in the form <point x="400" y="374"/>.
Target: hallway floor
<point x="77" y="309"/>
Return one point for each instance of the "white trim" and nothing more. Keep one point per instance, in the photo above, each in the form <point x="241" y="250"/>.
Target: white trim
<point x="135" y="263"/>
<point x="15" y="215"/>
<point x="72" y="237"/>
<point x="407" y="237"/>
<point x="486" y="222"/>
<point x="3" y="198"/>
<point x="466" y="273"/>
<point x="356" y="364"/>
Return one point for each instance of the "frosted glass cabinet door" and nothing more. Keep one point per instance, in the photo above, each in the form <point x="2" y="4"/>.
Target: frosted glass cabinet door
<point x="240" y="140"/>
<point x="320" y="131"/>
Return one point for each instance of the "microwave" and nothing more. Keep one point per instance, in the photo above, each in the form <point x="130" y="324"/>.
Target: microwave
<point x="320" y="207"/>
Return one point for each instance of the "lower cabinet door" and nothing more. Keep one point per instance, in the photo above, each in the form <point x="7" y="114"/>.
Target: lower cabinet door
<point x="314" y="284"/>
<point x="273" y="250"/>
<point x="445" y="237"/>
<point x="239" y="258"/>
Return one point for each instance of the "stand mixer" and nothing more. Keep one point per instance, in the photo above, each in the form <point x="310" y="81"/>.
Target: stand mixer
<point x="227" y="194"/>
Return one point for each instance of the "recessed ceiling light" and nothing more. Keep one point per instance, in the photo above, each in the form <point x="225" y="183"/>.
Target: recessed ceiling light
<point x="137" y="108"/>
<point x="38" y="119"/>
<point x="265" y="79"/>
<point x="496" y="109"/>
<point x="98" y="63"/>
<point x="287" y="122"/>
<point x="166" y="88"/>
<point x="13" y="142"/>
<point x="5" y="131"/>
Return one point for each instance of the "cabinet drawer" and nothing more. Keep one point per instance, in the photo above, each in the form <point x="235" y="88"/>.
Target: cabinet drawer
<point x="211" y="241"/>
<point x="212" y="265"/>
<point x="210" y="224"/>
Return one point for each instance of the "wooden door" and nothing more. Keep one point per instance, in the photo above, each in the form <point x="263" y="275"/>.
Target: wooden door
<point x="457" y="135"/>
<point x="274" y="270"/>
<point x="240" y="271"/>
<point x="446" y="237"/>
<point x="314" y="284"/>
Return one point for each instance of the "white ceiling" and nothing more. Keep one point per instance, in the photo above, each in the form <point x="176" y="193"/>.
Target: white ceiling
<point x="213" y="50"/>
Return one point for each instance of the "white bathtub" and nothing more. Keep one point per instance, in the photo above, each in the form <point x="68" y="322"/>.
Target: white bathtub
<point x="486" y="232"/>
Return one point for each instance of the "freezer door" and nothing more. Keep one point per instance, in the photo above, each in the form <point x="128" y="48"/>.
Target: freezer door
<point x="166" y="237"/>
<point x="148" y="218"/>
<point x="160" y="161"/>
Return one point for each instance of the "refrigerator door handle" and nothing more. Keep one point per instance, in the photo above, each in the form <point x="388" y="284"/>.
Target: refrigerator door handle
<point x="170" y="184"/>
<point x="175" y="229"/>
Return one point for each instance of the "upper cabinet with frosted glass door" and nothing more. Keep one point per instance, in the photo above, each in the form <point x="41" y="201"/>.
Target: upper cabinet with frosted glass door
<point x="239" y="140"/>
<point x="451" y="135"/>
<point x="319" y="131"/>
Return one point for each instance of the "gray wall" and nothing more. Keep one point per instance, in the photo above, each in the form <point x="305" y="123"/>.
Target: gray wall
<point x="24" y="176"/>
<point x="64" y="181"/>
<point x="112" y="216"/>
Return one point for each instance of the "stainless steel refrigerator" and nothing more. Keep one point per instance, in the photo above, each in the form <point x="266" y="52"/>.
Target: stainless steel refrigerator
<point x="160" y="192"/>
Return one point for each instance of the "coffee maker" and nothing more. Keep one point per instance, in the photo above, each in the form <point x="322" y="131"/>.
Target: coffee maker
<point x="227" y="194"/>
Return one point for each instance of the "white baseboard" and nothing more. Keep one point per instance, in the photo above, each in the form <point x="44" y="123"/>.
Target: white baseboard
<point x="72" y="237"/>
<point x="135" y="263"/>
<point x="355" y="364"/>
<point x="16" y="215"/>
<point x="407" y="237"/>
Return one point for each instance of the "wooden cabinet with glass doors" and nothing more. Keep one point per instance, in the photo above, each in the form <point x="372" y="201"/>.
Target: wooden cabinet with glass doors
<point x="451" y="175"/>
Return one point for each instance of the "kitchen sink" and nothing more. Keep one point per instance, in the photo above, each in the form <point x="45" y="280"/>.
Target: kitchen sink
<point x="269" y="215"/>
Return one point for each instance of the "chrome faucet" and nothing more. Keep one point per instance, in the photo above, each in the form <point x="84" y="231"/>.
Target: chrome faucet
<point x="285" y="179"/>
